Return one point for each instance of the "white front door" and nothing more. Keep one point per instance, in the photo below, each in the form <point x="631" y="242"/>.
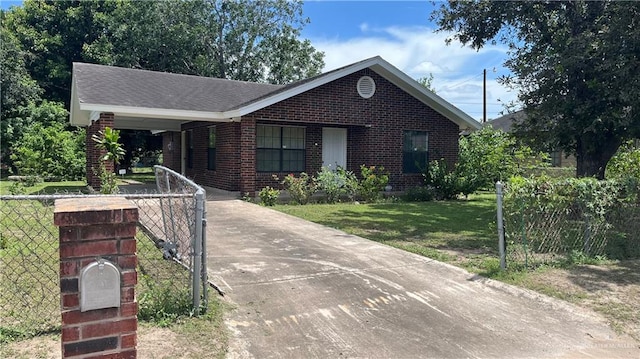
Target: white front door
<point x="334" y="147"/>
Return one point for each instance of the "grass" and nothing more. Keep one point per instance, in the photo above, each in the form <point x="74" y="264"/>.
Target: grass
<point x="47" y="187"/>
<point x="30" y="297"/>
<point x="459" y="232"/>
<point x="141" y="174"/>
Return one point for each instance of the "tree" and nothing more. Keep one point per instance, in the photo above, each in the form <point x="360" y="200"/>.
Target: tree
<point x="18" y="92"/>
<point x="427" y="82"/>
<point x="574" y="64"/>
<point x="239" y="40"/>
<point x="490" y="155"/>
<point x="54" y="33"/>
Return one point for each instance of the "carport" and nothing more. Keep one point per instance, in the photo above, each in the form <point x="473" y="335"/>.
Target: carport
<point x="104" y="96"/>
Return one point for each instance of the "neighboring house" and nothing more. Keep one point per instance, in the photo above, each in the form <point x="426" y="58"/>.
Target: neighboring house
<point x="236" y="135"/>
<point x="506" y="122"/>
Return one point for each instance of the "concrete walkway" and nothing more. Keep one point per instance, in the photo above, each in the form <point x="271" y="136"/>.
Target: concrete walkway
<point x="301" y="290"/>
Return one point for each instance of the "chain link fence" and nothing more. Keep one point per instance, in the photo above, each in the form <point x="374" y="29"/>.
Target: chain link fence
<point x="538" y="229"/>
<point x="170" y="249"/>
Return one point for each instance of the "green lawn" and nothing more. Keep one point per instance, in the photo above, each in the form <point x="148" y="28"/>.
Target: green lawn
<point x="47" y="187"/>
<point x="143" y="174"/>
<point x="460" y="232"/>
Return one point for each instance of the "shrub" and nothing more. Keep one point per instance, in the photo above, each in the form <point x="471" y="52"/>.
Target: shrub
<point x="269" y="196"/>
<point x="373" y="182"/>
<point x="50" y="152"/>
<point x="114" y="152"/>
<point x="625" y="163"/>
<point x="444" y="183"/>
<point x="161" y="302"/>
<point x="338" y="183"/>
<point x="300" y="188"/>
<point x="17" y="188"/>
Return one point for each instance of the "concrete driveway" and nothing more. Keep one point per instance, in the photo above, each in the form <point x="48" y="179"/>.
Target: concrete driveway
<point x="302" y="290"/>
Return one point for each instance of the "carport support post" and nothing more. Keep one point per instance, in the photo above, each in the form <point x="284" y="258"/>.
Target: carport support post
<point x="93" y="153"/>
<point x="501" y="247"/>
<point x="248" y="156"/>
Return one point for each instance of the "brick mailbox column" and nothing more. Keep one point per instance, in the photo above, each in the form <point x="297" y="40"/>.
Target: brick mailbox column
<point x="97" y="230"/>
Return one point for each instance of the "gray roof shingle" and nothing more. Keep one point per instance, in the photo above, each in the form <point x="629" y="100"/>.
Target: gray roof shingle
<point x="505" y="123"/>
<point x="107" y="85"/>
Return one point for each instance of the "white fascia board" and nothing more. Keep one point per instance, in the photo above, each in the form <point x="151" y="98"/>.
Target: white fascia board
<point x="423" y="94"/>
<point x="255" y="106"/>
<point x="186" y="115"/>
<point x="77" y="117"/>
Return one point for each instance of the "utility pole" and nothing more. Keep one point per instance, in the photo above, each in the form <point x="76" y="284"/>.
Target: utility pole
<point x="484" y="97"/>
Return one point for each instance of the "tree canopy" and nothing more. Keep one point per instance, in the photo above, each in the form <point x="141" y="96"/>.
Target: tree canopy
<point x="574" y="64"/>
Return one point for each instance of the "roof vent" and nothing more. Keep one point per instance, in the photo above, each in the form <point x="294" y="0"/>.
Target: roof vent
<point x="366" y="87"/>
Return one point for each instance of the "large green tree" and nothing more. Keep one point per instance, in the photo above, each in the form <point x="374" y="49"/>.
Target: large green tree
<point x="18" y="92"/>
<point x="575" y="66"/>
<point x="54" y="34"/>
<point x="240" y="40"/>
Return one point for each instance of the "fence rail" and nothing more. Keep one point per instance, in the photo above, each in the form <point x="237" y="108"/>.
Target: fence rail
<point x="170" y="246"/>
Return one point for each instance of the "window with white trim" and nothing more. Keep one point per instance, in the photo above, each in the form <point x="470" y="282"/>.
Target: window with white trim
<point x="280" y="149"/>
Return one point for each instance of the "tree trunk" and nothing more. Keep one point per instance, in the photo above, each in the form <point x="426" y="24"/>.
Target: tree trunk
<point x="593" y="163"/>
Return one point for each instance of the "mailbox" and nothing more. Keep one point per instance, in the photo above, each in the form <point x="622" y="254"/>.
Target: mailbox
<point x="99" y="286"/>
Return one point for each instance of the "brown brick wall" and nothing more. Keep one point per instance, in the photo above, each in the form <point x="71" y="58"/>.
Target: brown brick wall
<point x="227" y="173"/>
<point x="91" y="228"/>
<point x="93" y="153"/>
<point x="337" y="104"/>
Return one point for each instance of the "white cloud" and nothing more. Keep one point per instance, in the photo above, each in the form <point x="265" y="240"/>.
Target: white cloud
<point x="418" y="51"/>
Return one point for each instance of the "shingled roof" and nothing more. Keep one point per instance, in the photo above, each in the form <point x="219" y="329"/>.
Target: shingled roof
<point x="108" y="85"/>
<point x="143" y="99"/>
<point x="506" y="122"/>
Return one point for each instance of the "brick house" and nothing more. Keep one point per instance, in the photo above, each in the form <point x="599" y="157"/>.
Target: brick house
<point x="235" y="135"/>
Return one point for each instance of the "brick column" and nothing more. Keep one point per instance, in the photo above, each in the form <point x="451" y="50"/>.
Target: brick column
<point x="248" y="156"/>
<point x="93" y="228"/>
<point x="93" y="153"/>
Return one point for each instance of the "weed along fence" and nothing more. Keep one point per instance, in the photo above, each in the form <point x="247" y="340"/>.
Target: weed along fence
<point x="572" y="221"/>
<point x="171" y="254"/>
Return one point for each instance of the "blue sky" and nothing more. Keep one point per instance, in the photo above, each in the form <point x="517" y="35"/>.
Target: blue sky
<point x="402" y="34"/>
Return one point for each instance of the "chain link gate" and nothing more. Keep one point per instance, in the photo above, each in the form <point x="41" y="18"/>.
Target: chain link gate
<point x="171" y="253"/>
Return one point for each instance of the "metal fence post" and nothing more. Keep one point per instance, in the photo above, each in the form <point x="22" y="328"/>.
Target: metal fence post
<point x="197" y="248"/>
<point x="501" y="243"/>
<point x="204" y="280"/>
